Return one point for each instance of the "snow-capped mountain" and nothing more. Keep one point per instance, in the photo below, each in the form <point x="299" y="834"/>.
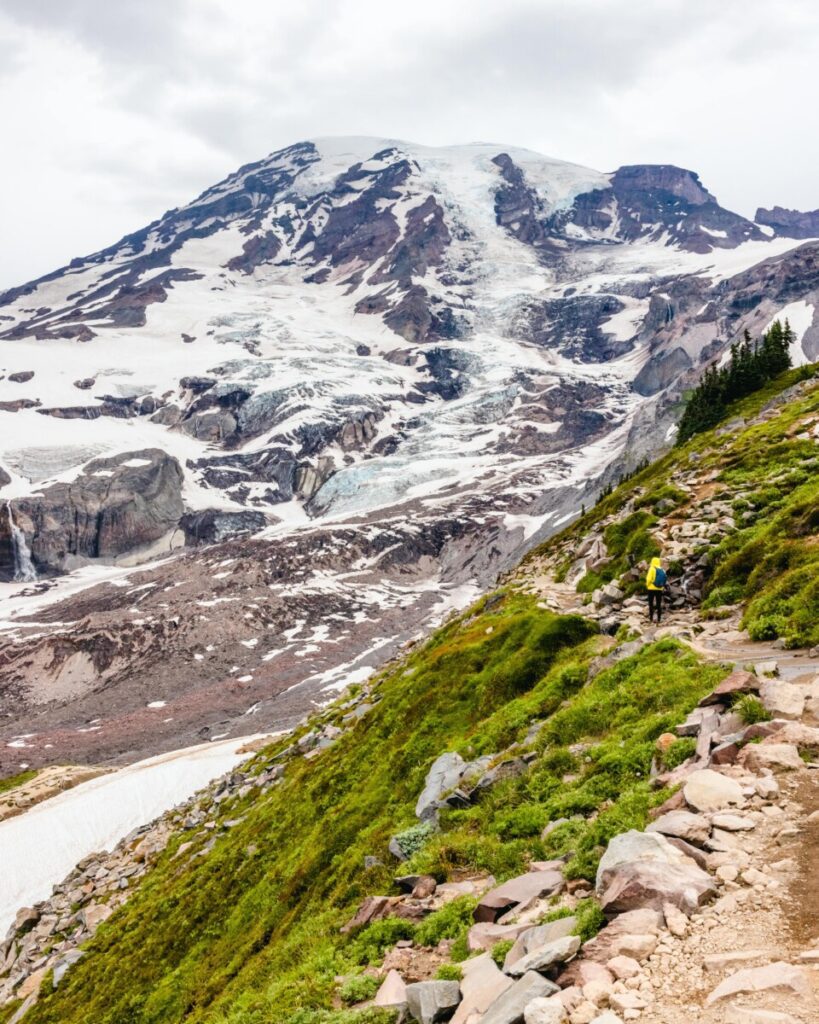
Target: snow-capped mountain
<point x="394" y="366"/>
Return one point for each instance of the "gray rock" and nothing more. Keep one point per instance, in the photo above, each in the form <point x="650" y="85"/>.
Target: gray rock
<point x="432" y="1001"/>
<point x="694" y="828"/>
<point x="558" y="951"/>
<point x="62" y="965"/>
<point x="510" y="1005"/>
<point x="444" y="775"/>
<point x="534" y="938"/>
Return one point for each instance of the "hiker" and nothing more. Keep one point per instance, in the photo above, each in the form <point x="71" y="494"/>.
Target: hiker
<point x="655" y="584"/>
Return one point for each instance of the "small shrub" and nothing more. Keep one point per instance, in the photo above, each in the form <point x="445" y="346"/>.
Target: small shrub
<point x="590" y="919"/>
<point x="500" y="949"/>
<point x="449" y="972"/>
<point x="357" y="988"/>
<point x="679" y="751"/>
<point x="447" y="923"/>
<point x="370" y="944"/>
<point x="413" y="838"/>
<point x="751" y="710"/>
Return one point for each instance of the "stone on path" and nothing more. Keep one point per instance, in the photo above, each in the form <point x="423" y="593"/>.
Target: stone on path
<point x="623" y="967"/>
<point x="675" y="919"/>
<point x="545" y="1011"/>
<point x="748" y="1015"/>
<point x="719" y="961"/>
<point x="707" y="790"/>
<point x="510" y="1005"/>
<point x="432" y="1001"/>
<point x="776" y="976"/>
<point x="682" y="824"/>
<point x="732" y="822"/>
<point x="776" y="756"/>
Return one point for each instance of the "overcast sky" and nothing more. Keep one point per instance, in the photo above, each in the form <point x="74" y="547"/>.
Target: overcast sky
<point x="113" y="111"/>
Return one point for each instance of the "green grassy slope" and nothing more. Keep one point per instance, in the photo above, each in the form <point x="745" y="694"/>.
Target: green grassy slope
<point x="249" y="933"/>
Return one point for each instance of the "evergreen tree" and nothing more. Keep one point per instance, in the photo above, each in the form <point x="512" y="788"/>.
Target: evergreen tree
<point x="750" y="366"/>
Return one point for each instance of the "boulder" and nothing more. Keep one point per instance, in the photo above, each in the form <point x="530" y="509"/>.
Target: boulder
<point x="545" y="1011"/>
<point x="617" y="939"/>
<point x="779" y="976"/>
<point x="805" y="737"/>
<point x="693" y="828"/>
<point x="784" y="700"/>
<point x="517" y="893"/>
<point x="444" y="775"/>
<point x="632" y="846"/>
<point x="393" y="991"/>
<point x="707" y="790"/>
<point x="736" y="683"/>
<point x="756" y="757"/>
<point x="534" y="938"/>
<point x="642" y="869"/>
<point x="432" y="1001"/>
<point x="510" y="1006"/>
<point x="697" y="855"/>
<point x="482" y="983"/>
<point x="94" y="914"/>
<point x="558" y="951"/>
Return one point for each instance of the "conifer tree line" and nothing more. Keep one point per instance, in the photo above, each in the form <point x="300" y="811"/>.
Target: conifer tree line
<point x="752" y="364"/>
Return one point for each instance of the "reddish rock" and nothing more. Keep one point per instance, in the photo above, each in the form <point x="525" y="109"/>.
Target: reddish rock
<point x="736" y="683"/>
<point x="518" y="893"/>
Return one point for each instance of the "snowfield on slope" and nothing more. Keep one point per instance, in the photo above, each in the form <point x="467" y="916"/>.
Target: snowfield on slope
<point x="40" y="847"/>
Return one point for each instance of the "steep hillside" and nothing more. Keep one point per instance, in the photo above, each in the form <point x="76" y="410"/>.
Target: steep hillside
<point x="325" y="403"/>
<point x="520" y="742"/>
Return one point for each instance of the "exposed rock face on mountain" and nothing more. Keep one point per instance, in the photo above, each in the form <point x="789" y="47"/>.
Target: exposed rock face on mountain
<point x="790" y="223"/>
<point x="114" y="506"/>
<point x="365" y="352"/>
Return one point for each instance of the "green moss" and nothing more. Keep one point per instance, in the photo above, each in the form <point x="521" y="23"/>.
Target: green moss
<point x="13" y="781"/>
<point x="357" y="988"/>
<point x="751" y="710"/>
<point x="680" y="750"/>
<point x="500" y="949"/>
<point x="449" y="972"/>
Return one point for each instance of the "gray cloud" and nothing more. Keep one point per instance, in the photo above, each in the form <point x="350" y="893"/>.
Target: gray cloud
<point x="116" y="112"/>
